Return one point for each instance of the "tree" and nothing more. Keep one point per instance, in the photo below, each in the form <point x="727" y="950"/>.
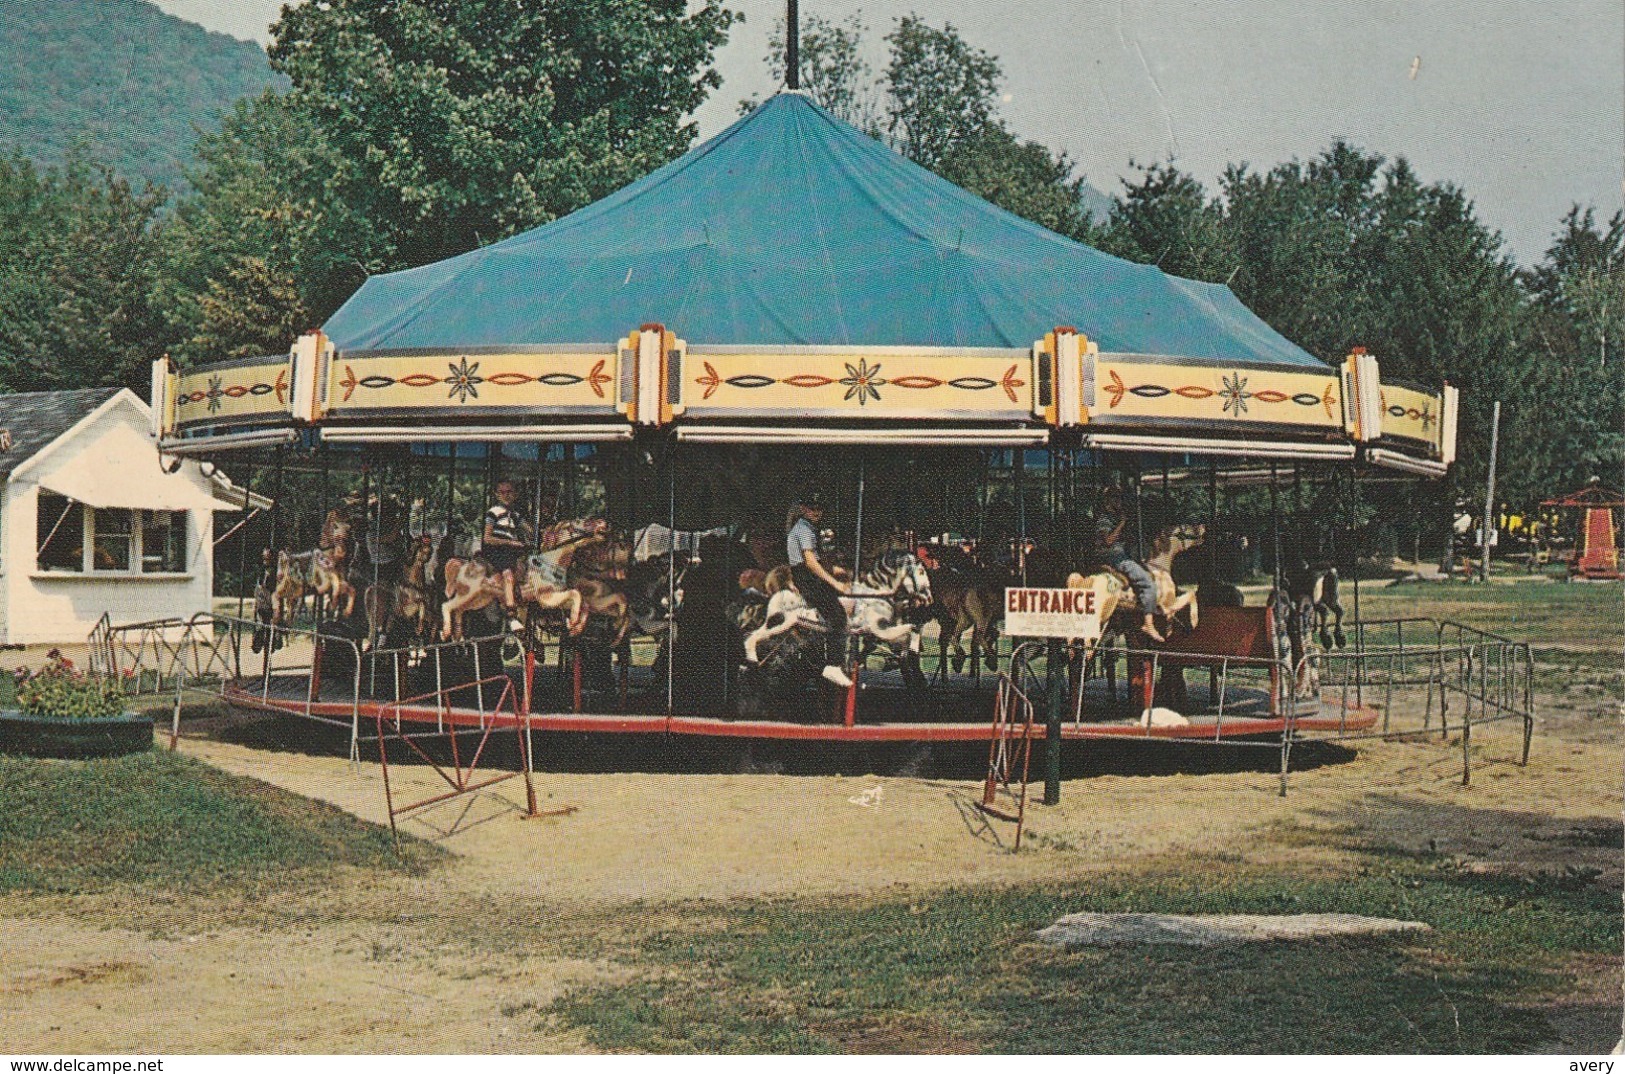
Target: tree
<point x="937" y="104"/>
<point x="834" y="74"/>
<point x="1578" y="337"/>
<point x="1167" y="219"/>
<point x="260" y="226"/>
<point x="455" y="124"/>
<point x="77" y="265"/>
<point x="941" y="91"/>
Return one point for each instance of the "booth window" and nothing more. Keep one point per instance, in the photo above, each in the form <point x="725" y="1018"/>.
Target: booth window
<point x="114" y="529"/>
<point x="163" y="542"/>
<point x="61" y="533"/>
<point x="75" y="537"/>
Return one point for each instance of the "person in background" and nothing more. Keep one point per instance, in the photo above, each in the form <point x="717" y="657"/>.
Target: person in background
<point x="815" y="582"/>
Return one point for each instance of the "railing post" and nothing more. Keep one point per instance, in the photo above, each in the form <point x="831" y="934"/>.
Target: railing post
<point x="1528" y="701"/>
<point x="355" y="705"/>
<point x="1054" y="707"/>
<point x="1467" y="729"/>
<point x="175" y="721"/>
<point x="1289" y="692"/>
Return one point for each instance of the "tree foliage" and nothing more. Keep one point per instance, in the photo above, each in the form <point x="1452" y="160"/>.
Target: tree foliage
<point x="258" y="253"/>
<point x="1578" y="336"/>
<point x="454" y="124"/>
<point x="937" y="104"/>
<point x="78" y="262"/>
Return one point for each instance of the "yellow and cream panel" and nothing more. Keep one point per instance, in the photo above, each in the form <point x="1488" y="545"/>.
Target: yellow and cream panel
<point x="1137" y="390"/>
<point x="253" y="391"/>
<point x="559" y="381"/>
<point x="870" y="383"/>
<point x="1420" y="418"/>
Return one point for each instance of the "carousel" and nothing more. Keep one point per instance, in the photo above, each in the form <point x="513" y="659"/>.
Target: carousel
<point x="652" y="389"/>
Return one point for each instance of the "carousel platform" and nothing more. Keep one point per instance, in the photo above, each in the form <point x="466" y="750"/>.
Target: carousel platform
<point x="883" y="712"/>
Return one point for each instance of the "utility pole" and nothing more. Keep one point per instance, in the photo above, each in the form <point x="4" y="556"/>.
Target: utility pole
<point x="1486" y="531"/>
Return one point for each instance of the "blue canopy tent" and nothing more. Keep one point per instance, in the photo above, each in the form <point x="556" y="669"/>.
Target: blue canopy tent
<point x="792" y="227"/>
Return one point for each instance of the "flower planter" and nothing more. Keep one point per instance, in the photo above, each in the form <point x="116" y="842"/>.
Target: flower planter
<point x="52" y="736"/>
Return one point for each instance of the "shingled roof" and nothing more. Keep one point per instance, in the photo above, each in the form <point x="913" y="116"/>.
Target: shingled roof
<point x="34" y="419"/>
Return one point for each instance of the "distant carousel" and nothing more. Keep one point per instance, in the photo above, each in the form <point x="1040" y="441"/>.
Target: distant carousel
<point x="789" y="306"/>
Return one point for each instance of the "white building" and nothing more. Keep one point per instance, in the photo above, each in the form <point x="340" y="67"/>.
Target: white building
<point x="91" y="522"/>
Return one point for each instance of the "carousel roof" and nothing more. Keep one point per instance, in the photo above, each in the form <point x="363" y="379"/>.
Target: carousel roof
<point x="792" y="227"/>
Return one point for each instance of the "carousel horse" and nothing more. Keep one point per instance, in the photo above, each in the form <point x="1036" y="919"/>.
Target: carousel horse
<point x="406" y="601"/>
<point x="599" y="575"/>
<point x="320" y="572"/>
<point x="471" y="584"/>
<point x="895" y="582"/>
<point x="1306" y="604"/>
<point x="265" y="638"/>
<point x="1119" y="595"/>
<point x="965" y="596"/>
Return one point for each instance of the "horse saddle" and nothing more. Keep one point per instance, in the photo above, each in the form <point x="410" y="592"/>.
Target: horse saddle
<point x="548" y="572"/>
<point x="1116" y="579"/>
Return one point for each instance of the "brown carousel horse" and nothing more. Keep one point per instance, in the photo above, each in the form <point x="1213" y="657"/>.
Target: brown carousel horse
<point x="598" y="574"/>
<point x="320" y="572"/>
<point x="544" y="582"/>
<point x="966" y="595"/>
<point x="407" y="601"/>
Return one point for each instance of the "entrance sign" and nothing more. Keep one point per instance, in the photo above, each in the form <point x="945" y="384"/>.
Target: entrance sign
<point x="1053" y="613"/>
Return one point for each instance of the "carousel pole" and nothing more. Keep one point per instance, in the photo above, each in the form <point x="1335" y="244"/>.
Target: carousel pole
<point x="243" y="586"/>
<point x="857" y="529"/>
<point x="276" y="552"/>
<point x="1212" y="519"/>
<point x="1055" y="677"/>
<point x="1275" y="527"/>
<point x="1139" y="516"/>
<point x="372" y="485"/>
<point x="671" y="577"/>
<point x="981" y="505"/>
<point x="849" y="715"/>
<point x="1018" y="474"/>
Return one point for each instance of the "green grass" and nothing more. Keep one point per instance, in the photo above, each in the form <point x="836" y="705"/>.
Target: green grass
<point x="1586" y="616"/>
<point x="959" y="971"/>
<point x="161" y="821"/>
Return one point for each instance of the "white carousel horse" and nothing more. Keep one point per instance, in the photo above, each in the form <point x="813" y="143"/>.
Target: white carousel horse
<point x="896" y="579"/>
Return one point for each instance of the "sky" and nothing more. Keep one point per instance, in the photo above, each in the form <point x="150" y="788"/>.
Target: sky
<point x="1519" y="102"/>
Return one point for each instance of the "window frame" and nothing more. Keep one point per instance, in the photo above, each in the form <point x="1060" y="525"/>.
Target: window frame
<point x="137" y="565"/>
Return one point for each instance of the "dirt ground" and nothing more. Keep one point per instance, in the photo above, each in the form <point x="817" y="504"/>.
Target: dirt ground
<point x="383" y="965"/>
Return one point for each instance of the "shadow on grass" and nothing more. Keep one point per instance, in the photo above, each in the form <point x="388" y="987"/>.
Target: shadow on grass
<point x="959" y="970"/>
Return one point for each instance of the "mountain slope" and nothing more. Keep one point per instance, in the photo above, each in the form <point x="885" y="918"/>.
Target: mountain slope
<point x="121" y="78"/>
